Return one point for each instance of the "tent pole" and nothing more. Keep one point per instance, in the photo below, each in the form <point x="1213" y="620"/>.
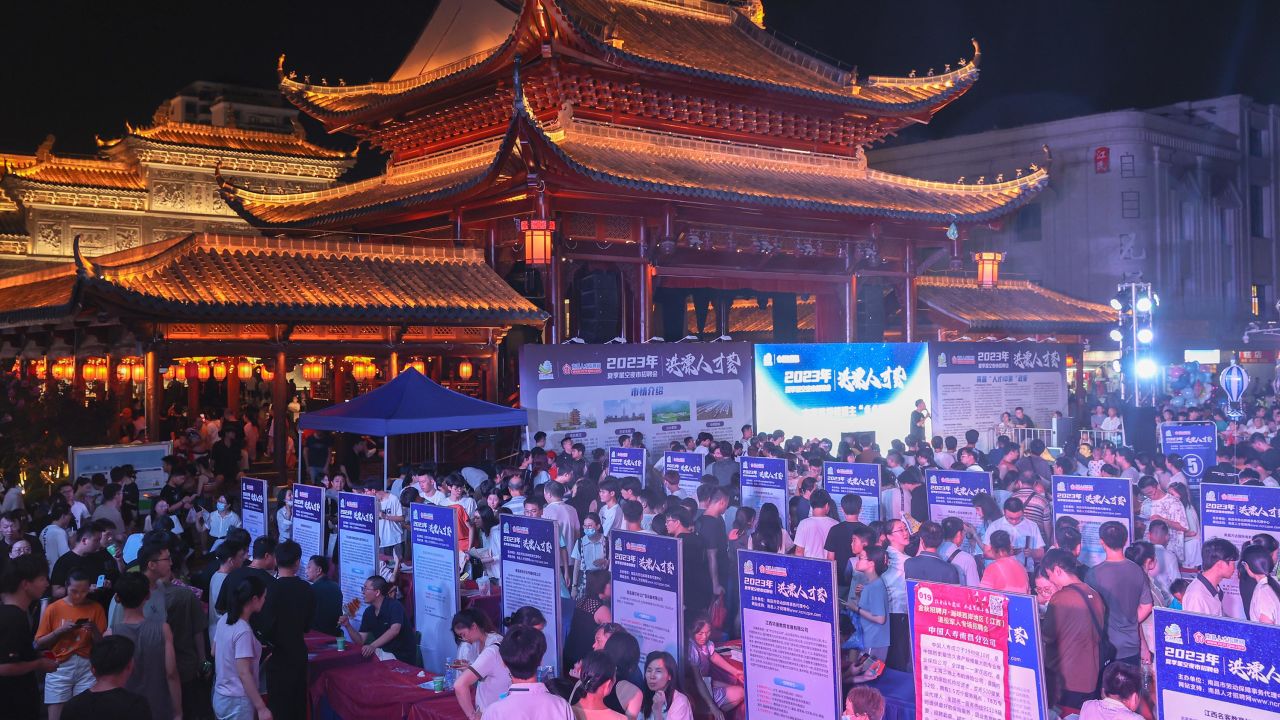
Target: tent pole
<point x="528" y="438"/>
<point x="386" y="458"/>
<point x="298" y="450"/>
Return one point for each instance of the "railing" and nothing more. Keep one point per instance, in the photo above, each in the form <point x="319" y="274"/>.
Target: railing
<point x="1021" y="436"/>
<point x="1094" y="437"/>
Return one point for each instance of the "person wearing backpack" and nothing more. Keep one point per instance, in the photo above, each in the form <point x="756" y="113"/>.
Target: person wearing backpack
<point x="1075" y="639"/>
<point x="953" y="551"/>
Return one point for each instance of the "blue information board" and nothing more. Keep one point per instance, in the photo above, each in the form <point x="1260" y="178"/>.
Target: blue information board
<point x="690" y="466"/>
<point x="1236" y="513"/>
<point x="1210" y="667"/>
<point x="434" y="536"/>
<point x="646" y="590"/>
<point x="1196" y="442"/>
<point x="1026" y="667"/>
<point x="861" y="479"/>
<point x="531" y="575"/>
<point x="358" y="550"/>
<point x="253" y="506"/>
<point x="951" y="494"/>
<point x="308" y="519"/>
<point x="626" y="462"/>
<point x="790" y="648"/>
<point x="1093" y="501"/>
<point x="763" y="480"/>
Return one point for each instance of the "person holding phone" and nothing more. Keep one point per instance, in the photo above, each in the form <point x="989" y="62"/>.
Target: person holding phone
<point x="68" y="629"/>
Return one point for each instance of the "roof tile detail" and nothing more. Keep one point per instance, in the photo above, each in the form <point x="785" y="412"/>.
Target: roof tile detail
<point x="1012" y="305"/>
<point x="227" y="138"/>
<point x="82" y="172"/>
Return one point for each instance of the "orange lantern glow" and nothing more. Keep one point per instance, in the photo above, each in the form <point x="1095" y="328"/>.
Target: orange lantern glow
<point x="180" y="372"/>
<point x="244" y="370"/>
<point x="122" y="373"/>
<point x="418" y="365"/>
<point x="267" y="375"/>
<point x="988" y="268"/>
<point x="465" y="370"/>
<point x="313" y="369"/>
<point x="219" y="369"/>
<point x="139" y="372"/>
<point x="202" y="371"/>
<point x="537" y="234"/>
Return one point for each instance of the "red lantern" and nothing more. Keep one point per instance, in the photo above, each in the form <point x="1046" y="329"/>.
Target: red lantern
<point x="219" y="370"/>
<point x="244" y="370"/>
<point x="139" y="372"/>
<point x="465" y="370"/>
<point x="988" y="268"/>
<point x="537" y="234"/>
<point x="202" y="371"/>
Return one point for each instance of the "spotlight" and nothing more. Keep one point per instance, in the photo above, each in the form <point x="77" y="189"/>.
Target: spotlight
<point x="1147" y="368"/>
<point x="1145" y="335"/>
<point x="1144" y="304"/>
<point x="1116" y="335"/>
<point x="1116" y="305"/>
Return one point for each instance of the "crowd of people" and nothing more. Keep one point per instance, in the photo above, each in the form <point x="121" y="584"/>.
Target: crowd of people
<point x="117" y="604"/>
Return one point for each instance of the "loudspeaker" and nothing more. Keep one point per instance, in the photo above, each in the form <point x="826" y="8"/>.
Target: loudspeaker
<point x="1062" y="431"/>
<point x="600" y="307"/>
<point x="1140" y="429"/>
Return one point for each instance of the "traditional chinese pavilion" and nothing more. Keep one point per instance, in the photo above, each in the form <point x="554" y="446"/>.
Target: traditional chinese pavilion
<point x="629" y="163"/>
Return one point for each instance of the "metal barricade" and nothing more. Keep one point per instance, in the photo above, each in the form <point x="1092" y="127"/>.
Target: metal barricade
<point x="1094" y="437"/>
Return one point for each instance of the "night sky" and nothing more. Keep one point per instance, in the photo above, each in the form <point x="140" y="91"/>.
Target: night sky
<point x="79" y="68"/>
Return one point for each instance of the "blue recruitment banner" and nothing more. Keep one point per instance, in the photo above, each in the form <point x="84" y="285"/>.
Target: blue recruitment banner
<point x="626" y="462"/>
<point x="951" y="494"/>
<point x="1236" y="513"/>
<point x="690" y="466"/>
<point x="861" y="479"/>
<point x="824" y="389"/>
<point x="1211" y="667"/>
<point x="1196" y="442"/>
<point x="434" y="535"/>
<point x="646" y="590"/>
<point x="790" y="647"/>
<point x="308" y="519"/>
<point x="357" y="549"/>
<point x="1093" y="501"/>
<point x="1026" y="666"/>
<point x="763" y="480"/>
<point x="531" y="575"/>
<point x="253" y="506"/>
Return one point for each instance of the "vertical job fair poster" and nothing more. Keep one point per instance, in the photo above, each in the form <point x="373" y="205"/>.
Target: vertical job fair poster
<point x="1196" y="442"/>
<point x="253" y="506"/>
<point x="626" y="462"/>
<point x="790" y="648"/>
<point x="595" y="393"/>
<point x="646" y="590"/>
<point x="951" y="493"/>
<point x="1236" y="513"/>
<point x="974" y="382"/>
<point x="763" y="480"/>
<point x="690" y="466"/>
<point x="308" y="519"/>
<point x="531" y="575"/>
<point x="434" y="536"/>
<point x="861" y="479"/>
<point x="824" y="389"/>
<point x="358" y="551"/>
<point x="1093" y="501"/>
<point x="1209" y="667"/>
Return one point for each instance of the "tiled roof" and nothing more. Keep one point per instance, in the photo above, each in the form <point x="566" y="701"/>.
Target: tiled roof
<point x="225" y="138"/>
<point x="731" y="172"/>
<point x="747" y="317"/>
<point x="39" y="295"/>
<point x="1012" y="305"/>
<point x="82" y="172"/>
<point x="715" y="40"/>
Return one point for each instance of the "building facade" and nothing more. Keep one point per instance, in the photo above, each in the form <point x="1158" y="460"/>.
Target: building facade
<point x="1183" y="195"/>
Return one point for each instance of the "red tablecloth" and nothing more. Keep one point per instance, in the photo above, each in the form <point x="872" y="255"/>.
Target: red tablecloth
<point x="490" y="605"/>
<point x="323" y="654"/>
<point x="356" y="687"/>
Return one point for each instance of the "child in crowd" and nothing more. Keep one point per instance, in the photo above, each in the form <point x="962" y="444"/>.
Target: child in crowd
<point x="870" y="607"/>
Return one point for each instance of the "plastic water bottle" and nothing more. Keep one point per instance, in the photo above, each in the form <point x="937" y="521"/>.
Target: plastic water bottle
<point x="450" y="673"/>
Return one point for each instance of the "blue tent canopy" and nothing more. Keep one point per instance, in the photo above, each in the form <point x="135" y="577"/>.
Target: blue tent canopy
<point x="411" y="403"/>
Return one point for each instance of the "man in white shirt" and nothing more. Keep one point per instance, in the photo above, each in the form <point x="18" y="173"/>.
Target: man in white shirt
<point x="1204" y="594"/>
<point x="1168" y="568"/>
<point x="527" y="699"/>
<point x="1024" y="535"/>
<point x="811" y="533"/>
<point x="517" y="487"/>
<point x="424" y="477"/>
<point x="568" y="524"/>
<point x="610" y="512"/>
<point x="895" y="502"/>
<point x="952" y="552"/>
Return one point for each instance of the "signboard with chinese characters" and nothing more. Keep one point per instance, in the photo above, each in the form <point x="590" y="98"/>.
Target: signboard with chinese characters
<point x="531" y="575"/>
<point x="974" y="382"/>
<point x="358" y="551"/>
<point x="790" y="648"/>
<point x="690" y="466"/>
<point x="763" y="480"/>
<point x="646" y="573"/>
<point x="308" y="520"/>
<point x="434" y="536"/>
<point x="1093" y="501"/>
<point x="822" y="390"/>
<point x="951" y="493"/>
<point x="861" y="479"/>
<point x="253" y="506"/>
<point x="1236" y="513"/>
<point x="1210" y="667"/>
<point x="626" y="462"/>
<point x="146" y="459"/>
<point x="594" y="393"/>
<point x="976" y="653"/>
<point x="1196" y="442"/>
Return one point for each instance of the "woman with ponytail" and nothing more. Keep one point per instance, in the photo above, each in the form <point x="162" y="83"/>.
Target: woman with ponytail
<point x="1264" y="606"/>
<point x="237" y="654"/>
<point x="487" y="679"/>
<point x="594" y="685"/>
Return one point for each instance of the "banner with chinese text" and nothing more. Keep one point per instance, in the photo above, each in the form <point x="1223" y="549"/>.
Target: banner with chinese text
<point x="861" y="479"/>
<point x="1210" y="667"/>
<point x="434" y="537"/>
<point x="646" y="573"/>
<point x="951" y="493"/>
<point x="1196" y="442"/>
<point x="1093" y="501"/>
<point x="357" y="548"/>
<point x="690" y="466"/>
<point x="974" y="382"/>
<point x="1236" y="513"/>
<point x="308" y="520"/>
<point x="763" y="480"/>
<point x="531" y="574"/>
<point x="626" y="462"/>
<point x="253" y="506"/>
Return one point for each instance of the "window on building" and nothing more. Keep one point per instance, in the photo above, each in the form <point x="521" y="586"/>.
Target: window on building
<point x="1128" y="168"/>
<point x="1257" y="142"/>
<point x="1026" y="226"/>
<point x="1130" y="205"/>
<point x="1258" y="211"/>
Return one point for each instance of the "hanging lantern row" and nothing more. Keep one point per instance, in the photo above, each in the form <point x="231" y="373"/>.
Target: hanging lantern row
<point x="131" y="369"/>
<point x="94" y="370"/>
<point x="362" y="368"/>
<point x="313" y="369"/>
<point x="64" y="369"/>
<point x="417" y="364"/>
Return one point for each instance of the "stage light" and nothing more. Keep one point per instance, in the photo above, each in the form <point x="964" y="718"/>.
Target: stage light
<point x="1145" y="335"/>
<point x="1116" y="304"/>
<point x="1147" y="368"/>
<point x="1116" y="335"/>
<point x="1144" y="304"/>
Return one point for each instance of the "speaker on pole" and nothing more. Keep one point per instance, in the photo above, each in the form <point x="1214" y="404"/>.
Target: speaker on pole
<point x="1140" y="429"/>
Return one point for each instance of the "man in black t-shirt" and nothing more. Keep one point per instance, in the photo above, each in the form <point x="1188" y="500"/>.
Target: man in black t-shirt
<point x="22" y="583"/>
<point x="262" y="566"/>
<point x="317" y="446"/>
<point x="290" y="610"/>
<point x="696" y="582"/>
<point x="112" y="661"/>
<point x="840" y="537"/>
<point x="87" y="556"/>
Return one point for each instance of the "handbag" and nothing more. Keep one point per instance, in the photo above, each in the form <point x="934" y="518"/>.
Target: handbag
<point x="717" y="613"/>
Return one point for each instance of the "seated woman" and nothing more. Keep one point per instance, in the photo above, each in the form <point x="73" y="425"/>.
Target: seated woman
<point x="384" y="626"/>
<point x="591" y="610"/>
<point x="487" y="674"/>
<point x="661" y="698"/>
<point x="597" y="677"/>
<point x="712" y="696"/>
<point x="475" y="633"/>
<point x="624" y="649"/>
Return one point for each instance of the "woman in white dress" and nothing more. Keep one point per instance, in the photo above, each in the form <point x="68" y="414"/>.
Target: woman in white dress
<point x="1264" y="606"/>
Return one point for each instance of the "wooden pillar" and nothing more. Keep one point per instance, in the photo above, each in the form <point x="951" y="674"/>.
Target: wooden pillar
<point x="393" y="365"/>
<point x="152" y="393"/>
<point x="646" y="302"/>
<point x="233" y="387"/>
<point x="491" y="377"/>
<point x="851" y="310"/>
<point x="341" y="372"/>
<point x="724" y="301"/>
<point x="280" y="411"/>
<point x="909" y="294"/>
<point x="193" y="389"/>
